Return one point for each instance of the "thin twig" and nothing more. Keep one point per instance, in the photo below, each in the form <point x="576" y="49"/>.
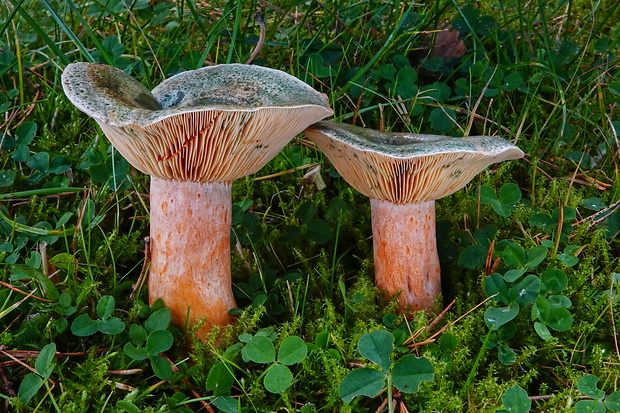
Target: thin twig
<point x="15" y="361"/>
<point x="604" y="212"/>
<point x="23" y="201"/>
<point x="125" y="372"/>
<point x="381" y="406"/>
<point x="613" y="320"/>
<point x="16" y="355"/>
<point x="358" y="105"/>
<point x="12" y="287"/>
<point x="120" y="386"/>
<point x="583" y="179"/>
<point x="145" y="268"/>
<point x="488" y="264"/>
<point x="444" y="328"/>
<point x="440" y="316"/>
<point x="261" y="39"/>
<point x="288" y="171"/>
<point x="475" y="108"/>
<point x="537" y="167"/>
<point x="13" y="307"/>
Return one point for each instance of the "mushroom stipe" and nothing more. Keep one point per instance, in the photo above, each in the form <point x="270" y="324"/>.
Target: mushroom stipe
<point x="193" y="270"/>
<point x="405" y="251"/>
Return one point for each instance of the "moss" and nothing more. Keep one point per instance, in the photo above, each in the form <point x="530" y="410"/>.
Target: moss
<point x="86" y="384"/>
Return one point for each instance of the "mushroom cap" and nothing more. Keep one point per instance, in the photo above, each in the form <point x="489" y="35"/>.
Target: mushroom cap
<point x="217" y="123"/>
<point x="403" y="167"/>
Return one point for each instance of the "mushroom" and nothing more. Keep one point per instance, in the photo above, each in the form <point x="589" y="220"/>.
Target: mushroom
<point x="403" y="174"/>
<point x="194" y="134"/>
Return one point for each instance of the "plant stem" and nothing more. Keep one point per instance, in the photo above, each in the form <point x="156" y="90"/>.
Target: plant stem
<point x="389" y="392"/>
<point x="472" y="373"/>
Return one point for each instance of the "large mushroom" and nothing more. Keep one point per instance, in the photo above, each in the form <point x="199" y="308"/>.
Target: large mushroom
<point x="194" y="134"/>
<point x="403" y="174"/>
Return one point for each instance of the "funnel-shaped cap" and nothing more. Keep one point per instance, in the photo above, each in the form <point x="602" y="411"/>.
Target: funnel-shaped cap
<point x="407" y="168"/>
<point x="217" y="123"/>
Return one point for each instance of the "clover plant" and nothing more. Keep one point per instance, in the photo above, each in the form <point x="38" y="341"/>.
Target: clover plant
<point x="404" y="374"/>
<point x="44" y="366"/>
<point x="151" y="339"/>
<point x="259" y="348"/>
<point x="84" y="326"/>
<point x="522" y="281"/>
<point x="598" y="401"/>
<point x="515" y="400"/>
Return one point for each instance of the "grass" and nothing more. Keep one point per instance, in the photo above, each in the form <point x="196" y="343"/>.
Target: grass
<point x="533" y="243"/>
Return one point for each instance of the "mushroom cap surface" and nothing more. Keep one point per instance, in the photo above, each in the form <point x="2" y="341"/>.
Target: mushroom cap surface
<point x="404" y="167"/>
<point x="217" y="123"/>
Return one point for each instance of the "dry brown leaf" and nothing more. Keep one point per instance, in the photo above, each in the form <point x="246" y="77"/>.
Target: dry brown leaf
<point x="447" y="44"/>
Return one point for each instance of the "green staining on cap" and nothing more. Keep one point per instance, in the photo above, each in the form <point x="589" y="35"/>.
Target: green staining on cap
<point x="242" y="87"/>
<point x="115" y="98"/>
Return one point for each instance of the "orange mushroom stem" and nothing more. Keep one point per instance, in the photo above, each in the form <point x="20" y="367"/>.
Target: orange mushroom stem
<point x="190" y="251"/>
<point x="405" y="252"/>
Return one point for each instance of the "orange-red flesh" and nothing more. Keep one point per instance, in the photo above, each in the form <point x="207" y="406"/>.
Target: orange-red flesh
<point x="190" y="251"/>
<point x="405" y="252"/>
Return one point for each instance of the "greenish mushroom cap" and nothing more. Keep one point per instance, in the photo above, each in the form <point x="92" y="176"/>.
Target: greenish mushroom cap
<point x="403" y="167"/>
<point x="217" y="123"/>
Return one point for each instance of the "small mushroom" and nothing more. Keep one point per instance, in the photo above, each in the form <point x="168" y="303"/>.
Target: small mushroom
<point x="194" y="134"/>
<point x="403" y="174"/>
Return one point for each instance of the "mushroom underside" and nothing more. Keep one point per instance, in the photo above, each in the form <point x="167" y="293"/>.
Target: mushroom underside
<point x="208" y="145"/>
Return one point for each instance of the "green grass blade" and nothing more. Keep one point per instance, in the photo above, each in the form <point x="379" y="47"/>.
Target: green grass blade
<point x="40" y="32"/>
<point x="388" y="43"/>
<point x="10" y="17"/>
<point x="74" y="38"/>
<point x="41" y="192"/>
